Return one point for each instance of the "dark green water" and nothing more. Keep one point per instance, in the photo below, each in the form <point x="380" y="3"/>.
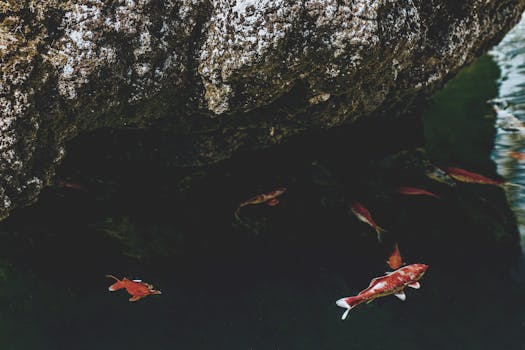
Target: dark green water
<point x="270" y="281"/>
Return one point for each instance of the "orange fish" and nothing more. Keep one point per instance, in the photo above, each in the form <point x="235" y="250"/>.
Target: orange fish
<point x="269" y="198"/>
<point x="136" y="288"/>
<point x="413" y="191"/>
<point x="517" y="155"/>
<point x="364" y="215"/>
<point x="395" y="261"/>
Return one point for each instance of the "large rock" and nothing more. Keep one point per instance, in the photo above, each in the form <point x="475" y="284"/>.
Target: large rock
<point x="218" y="74"/>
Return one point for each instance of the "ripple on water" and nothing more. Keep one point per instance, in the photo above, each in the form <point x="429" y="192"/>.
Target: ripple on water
<point x="510" y="111"/>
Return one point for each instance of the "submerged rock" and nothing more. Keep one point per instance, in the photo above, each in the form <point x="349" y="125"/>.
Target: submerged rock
<point x="219" y="75"/>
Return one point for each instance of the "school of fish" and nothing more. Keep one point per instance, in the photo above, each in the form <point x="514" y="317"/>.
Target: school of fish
<point x="393" y="283"/>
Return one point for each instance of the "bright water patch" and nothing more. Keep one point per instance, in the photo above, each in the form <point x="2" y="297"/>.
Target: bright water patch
<point x="509" y="106"/>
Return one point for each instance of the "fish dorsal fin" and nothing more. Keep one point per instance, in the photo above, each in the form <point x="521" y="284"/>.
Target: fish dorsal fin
<point x="401" y="295"/>
<point x="415" y="285"/>
<point x="389" y="272"/>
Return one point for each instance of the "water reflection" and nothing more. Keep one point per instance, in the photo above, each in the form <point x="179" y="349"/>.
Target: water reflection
<point x="510" y="109"/>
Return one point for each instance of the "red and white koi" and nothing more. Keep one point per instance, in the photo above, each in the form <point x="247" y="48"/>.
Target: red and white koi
<point x="362" y="213"/>
<point x="393" y="283"/>
<point x="136" y="288"/>
<point x="413" y="191"/>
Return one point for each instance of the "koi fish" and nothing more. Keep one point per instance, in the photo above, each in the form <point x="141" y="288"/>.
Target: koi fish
<point x="364" y="215"/>
<point x="463" y="175"/>
<point x="393" y="283"/>
<point x="517" y="155"/>
<point x="395" y="261"/>
<point x="136" y="288"/>
<point x="470" y="177"/>
<point x="413" y="191"/>
<point x="269" y="198"/>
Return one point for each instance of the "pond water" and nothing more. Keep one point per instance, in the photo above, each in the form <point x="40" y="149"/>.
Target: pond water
<point x="270" y="278"/>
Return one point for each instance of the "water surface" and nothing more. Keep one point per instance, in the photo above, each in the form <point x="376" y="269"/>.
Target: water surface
<point x="271" y="279"/>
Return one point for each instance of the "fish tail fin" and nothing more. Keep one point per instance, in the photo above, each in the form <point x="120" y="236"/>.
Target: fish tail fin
<point x="348" y="303"/>
<point x="380" y="231"/>
<point x="511" y="184"/>
<point x="115" y="286"/>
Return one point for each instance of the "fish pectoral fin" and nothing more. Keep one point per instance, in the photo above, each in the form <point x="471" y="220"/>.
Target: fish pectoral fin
<point x="369" y="301"/>
<point x="135" y="298"/>
<point x="415" y="285"/>
<point x="345" y="314"/>
<point x="401" y="295"/>
<point x="272" y="202"/>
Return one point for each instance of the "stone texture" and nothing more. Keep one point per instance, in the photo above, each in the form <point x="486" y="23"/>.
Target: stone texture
<point x="218" y="74"/>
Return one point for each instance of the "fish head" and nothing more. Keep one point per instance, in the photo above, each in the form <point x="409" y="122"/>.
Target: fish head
<point x="440" y="175"/>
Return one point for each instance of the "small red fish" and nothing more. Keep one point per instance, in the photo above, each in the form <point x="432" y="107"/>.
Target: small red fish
<point x="395" y="261"/>
<point x="393" y="283"/>
<point x="364" y="215"/>
<point x="70" y="184"/>
<point x="517" y="155"/>
<point x="413" y="191"/>
<point x="463" y="175"/>
<point x="136" y="288"/>
<point x="269" y="198"/>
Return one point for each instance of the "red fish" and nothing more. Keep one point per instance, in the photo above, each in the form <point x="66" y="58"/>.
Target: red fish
<point x="136" y="288"/>
<point x="269" y="198"/>
<point x="364" y="215"/>
<point x="413" y="191"/>
<point x="70" y="184"/>
<point x="395" y="261"/>
<point x="393" y="283"/>
<point x="463" y="175"/>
